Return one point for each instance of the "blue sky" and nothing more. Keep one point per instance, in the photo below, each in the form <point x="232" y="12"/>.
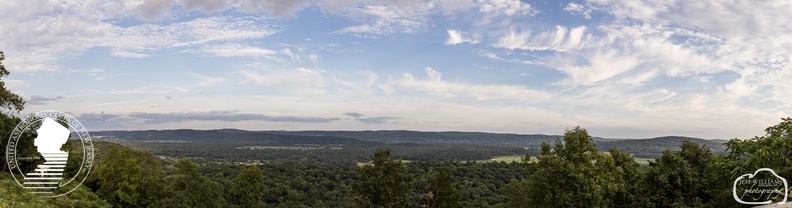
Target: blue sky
<point x="620" y="68"/>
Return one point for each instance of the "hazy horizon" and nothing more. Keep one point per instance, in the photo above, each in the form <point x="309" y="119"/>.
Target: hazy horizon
<point x="439" y="131"/>
<point x="621" y="69"/>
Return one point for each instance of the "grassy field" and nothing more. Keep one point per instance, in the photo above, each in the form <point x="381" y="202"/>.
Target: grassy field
<point x="300" y="148"/>
<point x="643" y="161"/>
<point x="518" y="158"/>
<point x="506" y="158"/>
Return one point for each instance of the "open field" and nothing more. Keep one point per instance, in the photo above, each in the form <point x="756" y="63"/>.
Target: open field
<point x="518" y="158"/>
<point x="643" y="161"/>
<point x="506" y="158"/>
<point x="300" y="148"/>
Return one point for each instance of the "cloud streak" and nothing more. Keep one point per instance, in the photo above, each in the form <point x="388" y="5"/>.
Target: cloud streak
<point x="227" y="116"/>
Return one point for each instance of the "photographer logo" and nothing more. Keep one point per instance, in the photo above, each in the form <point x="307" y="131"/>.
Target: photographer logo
<point x="762" y="187"/>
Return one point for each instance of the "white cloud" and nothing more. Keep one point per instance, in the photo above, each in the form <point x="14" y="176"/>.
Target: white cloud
<point x="399" y="16"/>
<point x="625" y="54"/>
<point x="195" y="32"/>
<point x="96" y="73"/>
<point x="506" y="7"/>
<point x="689" y="40"/>
<point x="578" y="9"/>
<point x="387" y="18"/>
<point x="336" y="5"/>
<point x="205" y="80"/>
<point x="154" y="10"/>
<point x="150" y="89"/>
<point x="561" y="39"/>
<point x="208" y="6"/>
<point x="450" y="6"/>
<point x="14" y="85"/>
<point x="275" y="8"/>
<point x="435" y="85"/>
<point x="455" y="37"/>
<point x="127" y="54"/>
<point x="301" y="77"/>
<point x="66" y="29"/>
<point x="234" y="50"/>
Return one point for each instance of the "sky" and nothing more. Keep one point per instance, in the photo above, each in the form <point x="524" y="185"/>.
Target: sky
<point x="711" y="69"/>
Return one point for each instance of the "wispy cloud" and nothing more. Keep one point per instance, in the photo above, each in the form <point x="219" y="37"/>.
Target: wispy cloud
<point x="233" y="50"/>
<point x="150" y="89"/>
<point x="354" y="114"/>
<point x="295" y="77"/>
<point x="435" y="85"/>
<point x="205" y="80"/>
<point x="455" y="37"/>
<point x="562" y="39"/>
<point x="372" y="120"/>
<point x="230" y="116"/>
<point x="42" y="100"/>
<point x="275" y="8"/>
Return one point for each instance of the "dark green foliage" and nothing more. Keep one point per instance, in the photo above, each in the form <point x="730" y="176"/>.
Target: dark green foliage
<point x="773" y="150"/>
<point x="188" y="188"/>
<point x="8" y="101"/>
<point x="81" y="197"/>
<point x="12" y="195"/>
<point x="125" y="177"/>
<point x="248" y="188"/>
<point x="385" y="183"/>
<point x="629" y="182"/>
<point x="571" y="174"/>
<point x="442" y="193"/>
<point x="679" y="178"/>
<point x="653" y="147"/>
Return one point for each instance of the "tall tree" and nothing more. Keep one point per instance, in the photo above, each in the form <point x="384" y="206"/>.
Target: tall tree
<point x="191" y="189"/>
<point x="630" y="180"/>
<point x="573" y="173"/>
<point x="9" y="103"/>
<point x="386" y="183"/>
<point x="679" y="178"/>
<point x="773" y="150"/>
<point x="129" y="178"/>
<point x="248" y="188"/>
<point x="442" y="194"/>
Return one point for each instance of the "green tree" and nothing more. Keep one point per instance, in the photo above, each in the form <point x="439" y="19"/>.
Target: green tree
<point x="12" y="195"/>
<point x="248" y="188"/>
<point x="189" y="188"/>
<point x="679" y="178"/>
<point x="129" y="178"/>
<point x="442" y="194"/>
<point x="630" y="180"/>
<point x="574" y="173"/>
<point x="773" y="150"/>
<point x="386" y="183"/>
<point x="80" y="198"/>
<point x="8" y="101"/>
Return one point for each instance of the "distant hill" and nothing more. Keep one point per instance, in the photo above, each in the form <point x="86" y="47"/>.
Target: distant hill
<point x="227" y="136"/>
<point x="646" y="148"/>
<point x="653" y="148"/>
<point x="421" y="137"/>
